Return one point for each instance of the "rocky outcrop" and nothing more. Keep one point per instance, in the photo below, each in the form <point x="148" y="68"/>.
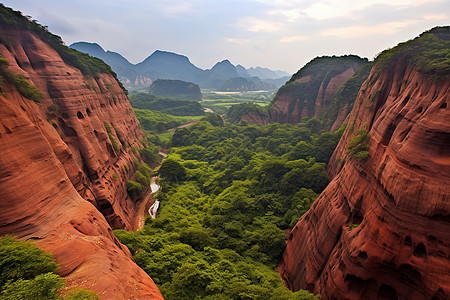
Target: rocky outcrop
<point x="255" y="117"/>
<point x="310" y="91"/>
<point x="380" y="230"/>
<point x="343" y="100"/>
<point x="65" y="162"/>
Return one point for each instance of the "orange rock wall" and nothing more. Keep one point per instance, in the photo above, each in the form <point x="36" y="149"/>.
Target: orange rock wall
<point x="282" y="110"/>
<point x="325" y="94"/>
<point x="57" y="182"/>
<point x="398" y="199"/>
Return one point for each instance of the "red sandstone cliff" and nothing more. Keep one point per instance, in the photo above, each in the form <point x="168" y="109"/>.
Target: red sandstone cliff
<point x="398" y="199"/>
<point x="62" y="183"/>
<point x="310" y="91"/>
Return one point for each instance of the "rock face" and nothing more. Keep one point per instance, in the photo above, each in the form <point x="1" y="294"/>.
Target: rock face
<point x="62" y="180"/>
<point x="255" y="118"/>
<point x="344" y="99"/>
<point x="381" y="229"/>
<point x="310" y="91"/>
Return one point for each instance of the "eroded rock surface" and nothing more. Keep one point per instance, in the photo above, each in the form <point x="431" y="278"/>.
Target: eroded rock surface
<point x="381" y="229"/>
<point x="62" y="181"/>
<point x="310" y="91"/>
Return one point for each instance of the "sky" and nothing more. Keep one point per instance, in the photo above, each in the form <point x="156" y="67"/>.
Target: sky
<point x="277" y="34"/>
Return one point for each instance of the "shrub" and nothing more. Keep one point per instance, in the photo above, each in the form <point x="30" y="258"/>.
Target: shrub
<point x="134" y="188"/>
<point x="90" y="86"/>
<point x="198" y="238"/>
<point x="143" y="180"/>
<point x="22" y="260"/>
<point x="53" y="107"/>
<point x="352" y="226"/>
<point x="359" y="145"/>
<point x="145" y="170"/>
<point x="115" y="145"/>
<point x="213" y="119"/>
<point x="24" y="87"/>
<point x="429" y="53"/>
<point x="235" y="112"/>
<point x="172" y="170"/>
<point x="44" y="286"/>
<point x="150" y="154"/>
<point x="27" y="273"/>
<point x="20" y="82"/>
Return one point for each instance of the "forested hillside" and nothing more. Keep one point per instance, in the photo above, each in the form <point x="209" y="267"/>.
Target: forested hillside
<point x="176" y="107"/>
<point x="177" y="89"/>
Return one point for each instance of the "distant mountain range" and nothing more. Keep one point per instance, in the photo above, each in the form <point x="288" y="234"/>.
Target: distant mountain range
<point x="167" y="65"/>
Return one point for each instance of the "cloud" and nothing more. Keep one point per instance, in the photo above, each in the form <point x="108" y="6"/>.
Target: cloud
<point x="290" y="15"/>
<point x="285" y="3"/>
<point x="259" y="25"/>
<point x="175" y="8"/>
<point x="333" y="9"/>
<point x="294" y="38"/>
<point x="435" y="17"/>
<point x="362" y="31"/>
<point x="237" y="41"/>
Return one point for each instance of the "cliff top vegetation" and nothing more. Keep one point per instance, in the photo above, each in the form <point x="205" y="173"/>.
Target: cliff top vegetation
<point x="429" y="53"/>
<point x="88" y="65"/>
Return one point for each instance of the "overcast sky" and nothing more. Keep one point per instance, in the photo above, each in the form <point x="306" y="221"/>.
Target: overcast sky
<point x="278" y="34"/>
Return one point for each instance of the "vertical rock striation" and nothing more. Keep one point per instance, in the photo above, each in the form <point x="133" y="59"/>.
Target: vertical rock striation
<point x="381" y="229"/>
<point x="62" y="174"/>
<point x="310" y="91"/>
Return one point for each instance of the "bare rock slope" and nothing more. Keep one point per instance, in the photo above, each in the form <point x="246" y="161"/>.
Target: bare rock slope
<point x="65" y="160"/>
<point x="381" y="229"/>
<point x="310" y="91"/>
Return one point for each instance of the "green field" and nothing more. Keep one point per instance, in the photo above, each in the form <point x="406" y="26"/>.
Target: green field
<point x="220" y="102"/>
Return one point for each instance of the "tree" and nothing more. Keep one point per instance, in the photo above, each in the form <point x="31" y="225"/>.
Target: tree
<point x="198" y="238"/>
<point x="172" y="170"/>
<point x="27" y="273"/>
<point x="143" y="180"/>
<point x="214" y="119"/>
<point x="358" y="146"/>
<point x="23" y="260"/>
<point x="180" y="137"/>
<point x="271" y="241"/>
<point x="44" y="286"/>
<point x="134" y="188"/>
<point x="190" y="281"/>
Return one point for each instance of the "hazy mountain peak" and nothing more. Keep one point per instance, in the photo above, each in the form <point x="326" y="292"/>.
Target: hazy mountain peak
<point x="242" y="71"/>
<point x="225" y="69"/>
<point x="266" y="73"/>
<point x="223" y="63"/>
<point x="158" y="54"/>
<point x="92" y="49"/>
<point x="169" y="65"/>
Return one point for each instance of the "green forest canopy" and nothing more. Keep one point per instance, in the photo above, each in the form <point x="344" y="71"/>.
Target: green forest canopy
<point x="229" y="193"/>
